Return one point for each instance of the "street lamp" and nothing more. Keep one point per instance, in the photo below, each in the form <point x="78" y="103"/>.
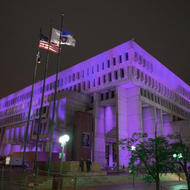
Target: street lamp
<point x="133" y="148"/>
<point x="178" y="156"/>
<point x="63" y="140"/>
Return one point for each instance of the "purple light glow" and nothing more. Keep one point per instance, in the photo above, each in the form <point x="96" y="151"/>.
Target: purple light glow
<point x="110" y="119"/>
<point x="61" y="109"/>
<point x="34" y="149"/>
<point x="126" y="110"/>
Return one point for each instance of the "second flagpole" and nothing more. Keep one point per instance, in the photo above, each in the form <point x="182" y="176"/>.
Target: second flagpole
<point x="54" y="101"/>
<point x="41" y="107"/>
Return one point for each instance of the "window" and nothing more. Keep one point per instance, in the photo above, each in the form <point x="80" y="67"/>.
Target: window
<point x="120" y="59"/>
<point x="43" y="128"/>
<point x="82" y="73"/>
<point x="152" y="83"/>
<point x="109" y="77"/>
<point x="115" y="75"/>
<point x="122" y="73"/>
<point x="107" y="95"/>
<point x="44" y="110"/>
<point x="145" y="79"/>
<point x="114" y="61"/>
<point x="99" y="81"/>
<point x="88" y="84"/>
<point x="149" y="81"/>
<point x="84" y="85"/>
<point x="78" y="75"/>
<point x="151" y="67"/>
<point x="92" y="99"/>
<point x="61" y="82"/>
<point x="69" y="78"/>
<point x="92" y="69"/>
<point x="79" y="87"/>
<point x="126" y="56"/>
<point x="94" y="83"/>
<point x="104" y="78"/>
<point x="75" y="88"/>
<point x="142" y="76"/>
<point x="102" y="96"/>
<point x="144" y="63"/>
<point x="108" y="63"/>
<point x="112" y="94"/>
<point x="136" y="56"/>
<point x="97" y="67"/>
<point x="103" y="66"/>
<point x="140" y="59"/>
<point x="138" y="73"/>
<point x="47" y="88"/>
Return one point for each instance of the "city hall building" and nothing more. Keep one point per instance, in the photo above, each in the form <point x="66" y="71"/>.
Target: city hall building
<point x="100" y="101"/>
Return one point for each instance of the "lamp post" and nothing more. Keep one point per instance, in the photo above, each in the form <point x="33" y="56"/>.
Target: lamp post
<point x="178" y="156"/>
<point x="63" y="140"/>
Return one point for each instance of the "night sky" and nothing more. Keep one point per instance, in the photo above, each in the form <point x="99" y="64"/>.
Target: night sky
<point x="162" y="27"/>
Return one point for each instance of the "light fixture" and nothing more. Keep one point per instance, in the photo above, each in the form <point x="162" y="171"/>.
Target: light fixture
<point x="64" y="139"/>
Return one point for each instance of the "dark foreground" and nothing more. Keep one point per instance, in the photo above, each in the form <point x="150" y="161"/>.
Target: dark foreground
<point x="18" y="179"/>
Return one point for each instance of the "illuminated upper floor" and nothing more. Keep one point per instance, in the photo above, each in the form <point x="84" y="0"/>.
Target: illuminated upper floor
<point x="122" y="64"/>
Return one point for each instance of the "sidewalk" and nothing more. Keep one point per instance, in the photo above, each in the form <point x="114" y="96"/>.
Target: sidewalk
<point x="165" y="186"/>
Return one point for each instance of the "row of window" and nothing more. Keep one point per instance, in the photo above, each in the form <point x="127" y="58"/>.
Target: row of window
<point x="72" y="77"/>
<point x="22" y="116"/>
<point x="18" y="99"/>
<point x="184" y="92"/>
<point x="121" y="73"/>
<point x="17" y="134"/>
<point x="165" y="103"/>
<point x="141" y="61"/>
<point x="149" y="81"/>
<point x="115" y="75"/>
<point x="106" y="78"/>
<point x="149" y="66"/>
<point x="104" y="96"/>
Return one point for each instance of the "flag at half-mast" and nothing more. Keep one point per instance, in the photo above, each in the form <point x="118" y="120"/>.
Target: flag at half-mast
<point x="44" y="44"/>
<point x="66" y="38"/>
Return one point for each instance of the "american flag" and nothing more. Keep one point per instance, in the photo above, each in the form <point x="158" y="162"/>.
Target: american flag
<point x="44" y="44"/>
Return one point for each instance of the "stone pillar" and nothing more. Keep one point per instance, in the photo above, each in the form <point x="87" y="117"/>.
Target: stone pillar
<point x="129" y="117"/>
<point x="149" y="121"/>
<point x="160" y="122"/>
<point x="167" y="121"/>
<point x="155" y="123"/>
<point x="99" y="132"/>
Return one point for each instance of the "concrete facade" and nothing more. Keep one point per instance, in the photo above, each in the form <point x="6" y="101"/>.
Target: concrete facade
<point x="124" y="90"/>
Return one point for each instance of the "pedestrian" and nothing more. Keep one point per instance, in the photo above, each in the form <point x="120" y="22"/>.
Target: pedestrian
<point x="81" y="164"/>
<point x="88" y="165"/>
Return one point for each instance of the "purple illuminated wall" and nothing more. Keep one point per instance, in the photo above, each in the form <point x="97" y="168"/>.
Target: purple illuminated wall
<point x="123" y="69"/>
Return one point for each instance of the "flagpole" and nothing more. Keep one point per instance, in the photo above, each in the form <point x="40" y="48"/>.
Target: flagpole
<point x="41" y="107"/>
<point x="30" y="107"/>
<point x="54" y="101"/>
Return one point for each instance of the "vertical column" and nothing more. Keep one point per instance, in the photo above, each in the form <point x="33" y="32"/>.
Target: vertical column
<point x="167" y="121"/>
<point x="129" y="117"/>
<point x="155" y="123"/>
<point x="99" y="140"/>
<point x="149" y="121"/>
<point x="161" y="133"/>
